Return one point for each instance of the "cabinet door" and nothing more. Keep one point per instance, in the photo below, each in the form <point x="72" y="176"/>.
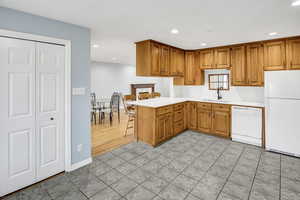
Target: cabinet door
<point x="293" y="54"/>
<point x="168" y="126"/>
<point x="238" y="66"/>
<point x="180" y="63"/>
<point x="204" y="120"/>
<point x="193" y="116"/>
<point x="164" y="60"/>
<point x="221" y="123"/>
<point x="255" y="72"/>
<point x="274" y="55"/>
<point x="222" y="58"/>
<point x="189" y="68"/>
<point x="155" y="59"/>
<point x="173" y="61"/>
<point x="206" y="59"/>
<point x="160" y="131"/>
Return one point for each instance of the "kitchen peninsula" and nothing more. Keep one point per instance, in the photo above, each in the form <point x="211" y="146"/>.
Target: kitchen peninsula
<point x="160" y="119"/>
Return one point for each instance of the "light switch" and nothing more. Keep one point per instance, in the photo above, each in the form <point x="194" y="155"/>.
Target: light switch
<point x="78" y="91"/>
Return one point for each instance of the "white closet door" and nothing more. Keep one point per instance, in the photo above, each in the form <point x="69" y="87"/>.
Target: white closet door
<point x="17" y="114"/>
<point x="50" y="64"/>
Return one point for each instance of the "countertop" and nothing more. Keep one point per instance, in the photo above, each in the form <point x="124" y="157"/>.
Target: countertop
<point x="164" y="101"/>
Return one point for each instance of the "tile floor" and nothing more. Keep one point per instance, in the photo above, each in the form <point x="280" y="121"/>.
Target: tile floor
<point x="191" y="166"/>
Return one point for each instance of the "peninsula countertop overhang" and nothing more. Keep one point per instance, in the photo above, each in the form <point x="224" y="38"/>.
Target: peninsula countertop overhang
<point x="165" y="101"/>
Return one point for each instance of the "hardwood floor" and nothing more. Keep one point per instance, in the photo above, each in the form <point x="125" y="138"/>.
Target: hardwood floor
<point x="106" y="137"/>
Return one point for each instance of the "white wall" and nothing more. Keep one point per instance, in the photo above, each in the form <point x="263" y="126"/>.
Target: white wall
<point x="107" y="78"/>
<point x="236" y="93"/>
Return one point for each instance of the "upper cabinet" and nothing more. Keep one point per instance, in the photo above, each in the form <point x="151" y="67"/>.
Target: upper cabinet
<point x="176" y="62"/>
<point x="152" y="59"/>
<point x="222" y="58"/>
<point x="217" y="58"/>
<point x="164" y="61"/>
<point x="155" y="59"/>
<point x="206" y="58"/>
<point x="238" y="63"/>
<point x="274" y="55"/>
<point x="255" y="71"/>
<point x="193" y="74"/>
<point x="293" y="53"/>
<point x="247" y="62"/>
<point x="247" y="65"/>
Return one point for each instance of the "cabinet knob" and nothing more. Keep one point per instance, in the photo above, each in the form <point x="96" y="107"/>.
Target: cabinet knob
<point x="51" y="118"/>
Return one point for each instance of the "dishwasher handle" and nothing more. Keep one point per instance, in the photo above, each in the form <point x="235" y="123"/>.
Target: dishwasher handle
<point x="243" y="108"/>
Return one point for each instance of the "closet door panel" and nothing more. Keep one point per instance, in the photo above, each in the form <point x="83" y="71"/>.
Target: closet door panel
<point x="50" y="109"/>
<point x="17" y="116"/>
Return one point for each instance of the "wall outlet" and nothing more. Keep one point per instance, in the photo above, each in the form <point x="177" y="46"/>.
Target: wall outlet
<point x="79" y="147"/>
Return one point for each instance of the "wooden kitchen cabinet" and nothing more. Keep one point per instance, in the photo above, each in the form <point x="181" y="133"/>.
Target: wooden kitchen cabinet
<point x="222" y="58"/>
<point x="155" y="59"/>
<point x="160" y="129"/>
<point x="204" y="120"/>
<point x="255" y="71"/>
<point x="152" y="59"/>
<point x="193" y="115"/>
<point x="164" y="61"/>
<point x="221" y="120"/>
<point x="293" y="54"/>
<point x="274" y="55"/>
<point x="206" y="59"/>
<point x="190" y="68"/>
<point x="176" y="62"/>
<point x="214" y="119"/>
<point x="238" y="66"/>
<point x="193" y="74"/>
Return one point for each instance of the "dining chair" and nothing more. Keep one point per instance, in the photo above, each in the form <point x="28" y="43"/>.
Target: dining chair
<point x="155" y="94"/>
<point x="144" y="95"/>
<point x="130" y="111"/>
<point x="93" y="107"/>
<point x="114" y="106"/>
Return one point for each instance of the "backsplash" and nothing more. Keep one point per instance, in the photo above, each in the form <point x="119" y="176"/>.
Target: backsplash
<point x="234" y="93"/>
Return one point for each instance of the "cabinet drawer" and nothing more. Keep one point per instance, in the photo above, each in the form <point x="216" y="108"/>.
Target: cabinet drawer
<point x="178" y="115"/>
<point x="221" y="107"/>
<point x="164" y="110"/>
<point x="205" y="106"/>
<point x="178" y="106"/>
<point x="178" y="127"/>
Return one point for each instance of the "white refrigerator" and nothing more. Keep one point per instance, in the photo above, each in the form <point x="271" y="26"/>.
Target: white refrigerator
<point x="282" y="101"/>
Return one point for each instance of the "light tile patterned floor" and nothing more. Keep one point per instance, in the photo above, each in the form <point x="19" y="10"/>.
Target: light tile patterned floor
<point x="191" y="166"/>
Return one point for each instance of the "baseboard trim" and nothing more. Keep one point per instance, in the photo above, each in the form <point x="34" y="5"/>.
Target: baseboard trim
<point x="80" y="164"/>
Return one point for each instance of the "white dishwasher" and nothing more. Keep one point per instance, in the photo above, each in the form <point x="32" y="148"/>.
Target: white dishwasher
<point x="247" y="125"/>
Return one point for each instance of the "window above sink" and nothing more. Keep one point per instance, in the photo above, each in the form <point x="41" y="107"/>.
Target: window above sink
<point x="218" y="81"/>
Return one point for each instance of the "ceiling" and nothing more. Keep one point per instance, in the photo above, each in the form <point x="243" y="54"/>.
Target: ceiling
<point x="116" y="24"/>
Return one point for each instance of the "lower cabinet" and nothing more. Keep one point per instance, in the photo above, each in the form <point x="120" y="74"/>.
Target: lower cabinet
<point x="156" y="125"/>
<point x="214" y="119"/>
<point x="204" y="120"/>
<point x="221" y="123"/>
<point x="192" y="115"/>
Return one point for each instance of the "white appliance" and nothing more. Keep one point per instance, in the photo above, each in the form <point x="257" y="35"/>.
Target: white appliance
<point x="282" y="100"/>
<point x="31" y="112"/>
<point x="247" y="125"/>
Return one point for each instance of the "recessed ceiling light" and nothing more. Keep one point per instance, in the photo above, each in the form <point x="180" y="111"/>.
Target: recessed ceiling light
<point x="174" y="31"/>
<point x="296" y="3"/>
<point x="203" y="44"/>
<point x="96" y="45"/>
<point x="273" y="33"/>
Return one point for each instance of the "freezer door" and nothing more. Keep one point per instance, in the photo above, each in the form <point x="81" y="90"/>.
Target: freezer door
<point x="282" y="84"/>
<point x="282" y="126"/>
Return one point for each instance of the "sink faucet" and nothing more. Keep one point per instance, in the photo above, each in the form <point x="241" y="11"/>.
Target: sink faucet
<point x="219" y="94"/>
